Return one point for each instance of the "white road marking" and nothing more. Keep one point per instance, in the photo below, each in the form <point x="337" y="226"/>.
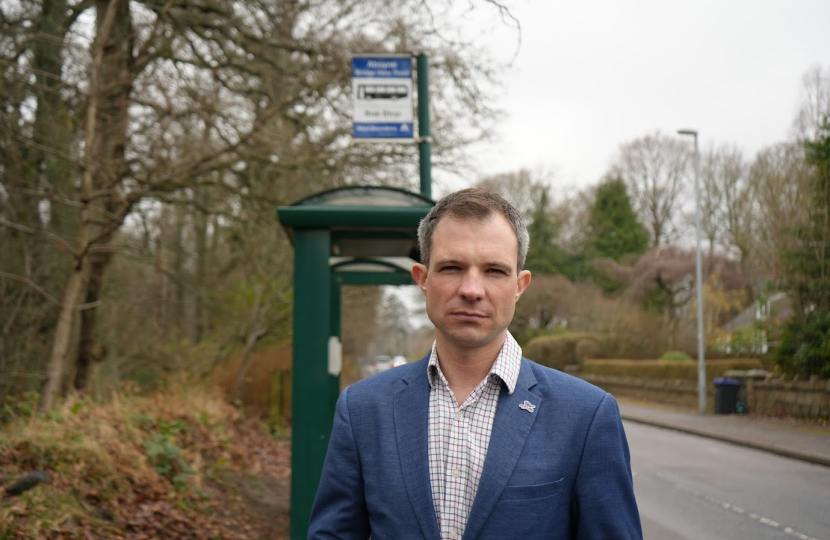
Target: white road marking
<point x="727" y="506"/>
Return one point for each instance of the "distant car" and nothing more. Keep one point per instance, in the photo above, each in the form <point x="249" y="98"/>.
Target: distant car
<point x="382" y="362"/>
<point x="398" y="361"/>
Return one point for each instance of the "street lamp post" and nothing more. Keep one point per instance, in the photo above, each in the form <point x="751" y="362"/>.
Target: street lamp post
<point x="701" y="365"/>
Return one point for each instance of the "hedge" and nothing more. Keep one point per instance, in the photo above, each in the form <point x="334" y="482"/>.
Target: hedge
<point x="560" y="350"/>
<point x="666" y="369"/>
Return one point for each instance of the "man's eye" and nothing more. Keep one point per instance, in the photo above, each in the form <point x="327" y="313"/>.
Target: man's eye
<point x="496" y="271"/>
<point x="448" y="268"/>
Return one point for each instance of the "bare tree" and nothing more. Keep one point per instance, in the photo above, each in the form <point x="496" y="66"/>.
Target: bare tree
<point x="393" y="323"/>
<point x="780" y="178"/>
<point x="727" y="200"/>
<point x="522" y="188"/>
<point x="814" y="109"/>
<point x="655" y="168"/>
<point x="247" y="100"/>
<point x="712" y="197"/>
<point x="739" y="209"/>
<point x="38" y="107"/>
<point x="546" y="304"/>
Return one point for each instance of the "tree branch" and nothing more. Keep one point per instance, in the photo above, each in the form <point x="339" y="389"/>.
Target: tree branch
<point x="31" y="284"/>
<point x="34" y="232"/>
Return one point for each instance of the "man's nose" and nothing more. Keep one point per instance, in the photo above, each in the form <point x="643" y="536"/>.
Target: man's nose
<point x="472" y="285"/>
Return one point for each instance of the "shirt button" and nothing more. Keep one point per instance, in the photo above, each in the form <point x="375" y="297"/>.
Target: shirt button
<point x="453" y="536"/>
<point x="459" y="415"/>
<point x="456" y="473"/>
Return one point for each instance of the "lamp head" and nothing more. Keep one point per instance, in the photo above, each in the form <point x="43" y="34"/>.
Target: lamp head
<point x="692" y="132"/>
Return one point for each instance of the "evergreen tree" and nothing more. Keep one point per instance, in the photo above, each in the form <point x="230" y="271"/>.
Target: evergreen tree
<point x="545" y="256"/>
<point x="542" y="255"/>
<point x="613" y="229"/>
<point x="805" y="343"/>
<point x="814" y="266"/>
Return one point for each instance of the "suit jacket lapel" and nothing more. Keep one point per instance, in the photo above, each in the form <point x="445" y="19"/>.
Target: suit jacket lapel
<point x="510" y="429"/>
<point x="411" y="430"/>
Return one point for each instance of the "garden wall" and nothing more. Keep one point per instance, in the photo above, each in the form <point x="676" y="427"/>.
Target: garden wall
<point x="802" y="399"/>
<point x="774" y="397"/>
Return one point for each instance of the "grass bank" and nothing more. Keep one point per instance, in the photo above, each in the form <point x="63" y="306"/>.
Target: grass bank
<point x="180" y="463"/>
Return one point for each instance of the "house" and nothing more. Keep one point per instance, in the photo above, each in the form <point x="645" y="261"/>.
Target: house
<point x="745" y="332"/>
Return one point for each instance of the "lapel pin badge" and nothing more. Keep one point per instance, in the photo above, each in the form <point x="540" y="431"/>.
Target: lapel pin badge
<point x="527" y="406"/>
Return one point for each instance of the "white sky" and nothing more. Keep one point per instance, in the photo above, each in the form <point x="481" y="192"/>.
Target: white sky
<point x="591" y="75"/>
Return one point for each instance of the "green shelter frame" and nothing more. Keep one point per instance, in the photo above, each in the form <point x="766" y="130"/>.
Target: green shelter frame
<point x="355" y="235"/>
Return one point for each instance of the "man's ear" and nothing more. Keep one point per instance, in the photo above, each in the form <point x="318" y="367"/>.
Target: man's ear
<point x="522" y="282"/>
<point x="419" y="274"/>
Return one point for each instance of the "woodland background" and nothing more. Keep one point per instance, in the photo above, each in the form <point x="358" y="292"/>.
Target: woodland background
<point x="146" y="286"/>
<point x="146" y="146"/>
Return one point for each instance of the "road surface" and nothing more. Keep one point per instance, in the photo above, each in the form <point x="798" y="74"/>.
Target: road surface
<point x="693" y="488"/>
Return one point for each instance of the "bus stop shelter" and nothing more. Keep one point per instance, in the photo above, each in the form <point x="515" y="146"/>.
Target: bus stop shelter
<point x="343" y="236"/>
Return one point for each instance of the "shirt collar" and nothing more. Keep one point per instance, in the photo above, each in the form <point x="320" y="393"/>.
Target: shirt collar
<point x="506" y="367"/>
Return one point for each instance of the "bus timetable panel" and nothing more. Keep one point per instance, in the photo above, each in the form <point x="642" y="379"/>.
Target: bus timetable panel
<point x="381" y="91"/>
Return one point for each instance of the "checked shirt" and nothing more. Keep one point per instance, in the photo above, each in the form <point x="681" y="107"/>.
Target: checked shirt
<point x="459" y="436"/>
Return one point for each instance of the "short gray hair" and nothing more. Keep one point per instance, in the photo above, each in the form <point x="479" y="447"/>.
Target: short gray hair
<point x="478" y="204"/>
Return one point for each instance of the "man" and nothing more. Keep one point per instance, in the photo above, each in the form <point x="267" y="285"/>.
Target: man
<point x="473" y="441"/>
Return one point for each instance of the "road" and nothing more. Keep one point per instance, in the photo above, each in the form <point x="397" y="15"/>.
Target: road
<point x="693" y="488"/>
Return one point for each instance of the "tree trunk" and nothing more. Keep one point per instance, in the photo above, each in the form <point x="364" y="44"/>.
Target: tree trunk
<point x="75" y="287"/>
<point x="109" y="132"/>
<point x="245" y="362"/>
<point x="63" y="335"/>
<point x="256" y="329"/>
<point x="53" y="127"/>
<point x="179" y="311"/>
<point x="31" y="170"/>
<point x="86" y="344"/>
<point x="200" y="223"/>
<point x="161" y="284"/>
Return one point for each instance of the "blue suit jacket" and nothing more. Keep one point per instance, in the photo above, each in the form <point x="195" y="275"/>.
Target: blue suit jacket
<point x="560" y="472"/>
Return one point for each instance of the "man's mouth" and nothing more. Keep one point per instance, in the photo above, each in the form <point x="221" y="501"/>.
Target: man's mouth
<point x="469" y="316"/>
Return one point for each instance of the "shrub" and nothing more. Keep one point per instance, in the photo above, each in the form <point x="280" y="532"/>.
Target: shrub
<point x="164" y="452"/>
<point x="675" y="356"/>
<point x="562" y="350"/>
<point x="22" y="406"/>
<point x="524" y="335"/>
<point x="805" y="347"/>
<point x="751" y="339"/>
<point x="587" y="348"/>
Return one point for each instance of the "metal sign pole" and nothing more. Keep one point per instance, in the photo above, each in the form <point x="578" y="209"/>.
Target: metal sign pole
<point x="424" y="138"/>
<point x="312" y="416"/>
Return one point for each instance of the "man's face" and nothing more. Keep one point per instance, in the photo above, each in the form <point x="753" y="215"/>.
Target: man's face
<point x="472" y="285"/>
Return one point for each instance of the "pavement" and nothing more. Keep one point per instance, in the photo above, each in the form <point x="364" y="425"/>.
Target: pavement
<point x="785" y="437"/>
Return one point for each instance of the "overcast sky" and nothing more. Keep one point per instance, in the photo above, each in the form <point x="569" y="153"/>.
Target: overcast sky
<point x="593" y="74"/>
